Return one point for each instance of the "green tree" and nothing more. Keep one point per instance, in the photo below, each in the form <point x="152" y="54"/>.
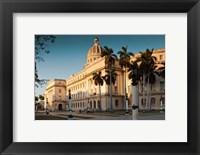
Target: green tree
<point x="124" y="62"/>
<point x="41" y="97"/>
<point x="36" y="99"/>
<point x="41" y="42"/>
<point x="110" y="59"/>
<point x="147" y="62"/>
<point x="110" y="79"/>
<point x="151" y="79"/>
<point x="98" y="80"/>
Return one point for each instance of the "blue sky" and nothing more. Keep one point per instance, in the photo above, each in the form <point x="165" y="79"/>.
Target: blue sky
<point x="68" y="53"/>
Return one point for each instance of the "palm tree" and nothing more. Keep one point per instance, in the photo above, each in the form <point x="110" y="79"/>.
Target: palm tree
<point x="98" y="80"/>
<point x="134" y="75"/>
<point x="110" y="58"/>
<point x="152" y="80"/>
<point x="110" y="78"/>
<point x="124" y="62"/>
<point x="147" y="62"/>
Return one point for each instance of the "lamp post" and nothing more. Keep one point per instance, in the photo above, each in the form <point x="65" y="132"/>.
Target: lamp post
<point x="70" y="116"/>
<point x="66" y="105"/>
<point x="161" y="104"/>
<point x="88" y="105"/>
<point x="60" y="104"/>
<point x="47" y="108"/>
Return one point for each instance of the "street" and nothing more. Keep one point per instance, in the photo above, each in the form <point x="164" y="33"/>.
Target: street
<point x="100" y="116"/>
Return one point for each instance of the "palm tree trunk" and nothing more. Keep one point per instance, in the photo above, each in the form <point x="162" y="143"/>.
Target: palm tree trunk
<point x="100" y="96"/>
<point x="110" y="92"/>
<point x="150" y="98"/>
<point x="148" y="104"/>
<point x="143" y="102"/>
<point x="135" y="102"/>
<point x="125" y="96"/>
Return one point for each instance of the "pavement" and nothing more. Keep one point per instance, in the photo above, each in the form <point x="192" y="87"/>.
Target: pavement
<point x="106" y="116"/>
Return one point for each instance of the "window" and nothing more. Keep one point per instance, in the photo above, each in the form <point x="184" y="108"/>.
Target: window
<point x="143" y="101"/>
<point x="59" y="90"/>
<point x="99" y="105"/>
<point x="162" y="100"/>
<point x="153" y="100"/>
<point x="94" y="104"/>
<point x="162" y="85"/>
<point x="115" y="88"/>
<point x="161" y="57"/>
<point x="116" y="103"/>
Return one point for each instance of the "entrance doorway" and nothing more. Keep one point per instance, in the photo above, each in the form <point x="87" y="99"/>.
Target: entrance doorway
<point x="60" y="107"/>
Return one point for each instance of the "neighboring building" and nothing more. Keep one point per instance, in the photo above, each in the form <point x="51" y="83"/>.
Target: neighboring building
<point x="55" y="95"/>
<point x="85" y="94"/>
<point x="157" y="89"/>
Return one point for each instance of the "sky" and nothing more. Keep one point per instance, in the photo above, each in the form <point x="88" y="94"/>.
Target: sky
<point x="68" y="53"/>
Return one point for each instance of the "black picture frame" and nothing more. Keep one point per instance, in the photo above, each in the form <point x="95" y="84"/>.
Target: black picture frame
<point x="8" y="7"/>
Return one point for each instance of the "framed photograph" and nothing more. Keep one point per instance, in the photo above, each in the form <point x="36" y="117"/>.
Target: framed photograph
<point x="79" y="76"/>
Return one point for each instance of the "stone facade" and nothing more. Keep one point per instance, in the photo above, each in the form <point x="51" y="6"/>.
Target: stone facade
<point x="55" y="95"/>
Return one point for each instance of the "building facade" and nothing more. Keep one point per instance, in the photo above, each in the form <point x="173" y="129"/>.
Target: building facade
<point x="55" y="95"/>
<point x="85" y="94"/>
<point x="157" y="90"/>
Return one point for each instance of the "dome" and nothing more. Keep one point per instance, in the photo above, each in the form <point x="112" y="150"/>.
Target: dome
<point x="94" y="52"/>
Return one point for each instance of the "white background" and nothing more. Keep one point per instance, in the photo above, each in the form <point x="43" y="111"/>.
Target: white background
<point x="172" y="129"/>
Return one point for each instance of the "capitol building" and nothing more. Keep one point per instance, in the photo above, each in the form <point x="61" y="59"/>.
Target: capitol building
<point x="85" y="94"/>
